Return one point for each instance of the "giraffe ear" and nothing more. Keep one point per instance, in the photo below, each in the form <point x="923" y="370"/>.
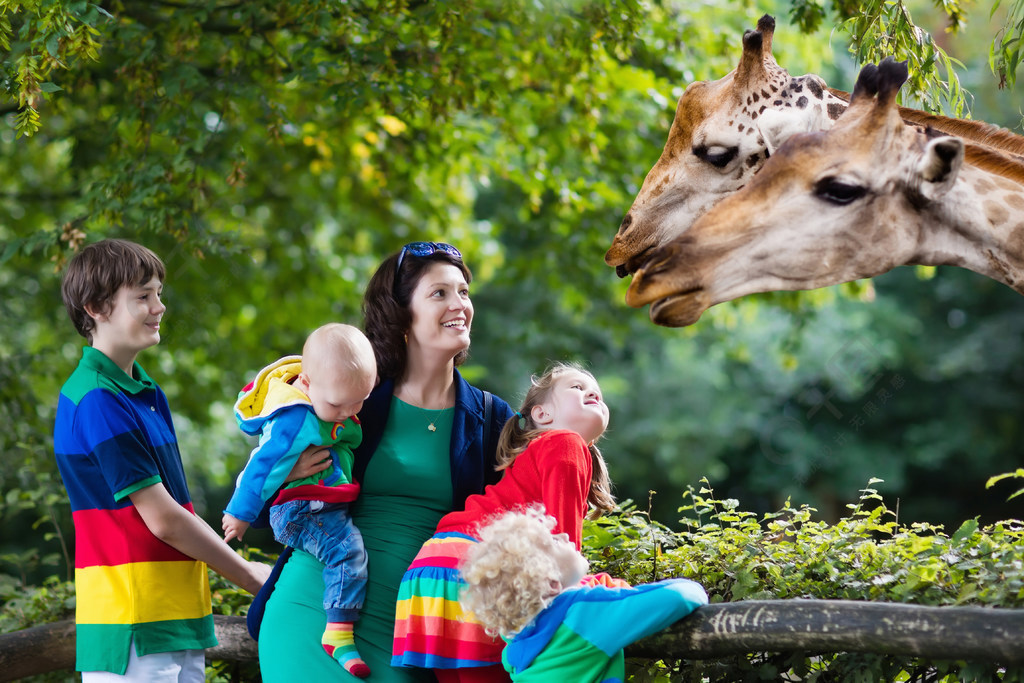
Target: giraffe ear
<point x="939" y="165"/>
<point x="778" y="125"/>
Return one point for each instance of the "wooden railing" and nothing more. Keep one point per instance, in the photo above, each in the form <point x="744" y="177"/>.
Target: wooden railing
<point x="51" y="647"/>
<point x="812" y="626"/>
<point x="820" y="626"/>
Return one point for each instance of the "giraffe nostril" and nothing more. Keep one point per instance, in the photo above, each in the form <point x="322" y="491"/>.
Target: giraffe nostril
<point x="626" y="222"/>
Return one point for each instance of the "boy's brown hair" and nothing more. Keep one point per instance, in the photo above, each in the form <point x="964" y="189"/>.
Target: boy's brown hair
<point x="96" y="273"/>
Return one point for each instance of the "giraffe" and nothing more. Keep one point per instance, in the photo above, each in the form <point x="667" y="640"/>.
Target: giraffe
<point x="852" y="202"/>
<point x="715" y="144"/>
<point x="725" y="130"/>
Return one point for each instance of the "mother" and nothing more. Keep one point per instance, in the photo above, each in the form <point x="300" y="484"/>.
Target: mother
<point x="428" y="442"/>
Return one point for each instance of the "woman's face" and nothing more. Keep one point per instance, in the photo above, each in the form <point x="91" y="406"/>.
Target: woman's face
<point x="441" y="310"/>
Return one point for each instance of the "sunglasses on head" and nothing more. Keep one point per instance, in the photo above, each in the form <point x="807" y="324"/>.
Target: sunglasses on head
<point x="422" y="249"/>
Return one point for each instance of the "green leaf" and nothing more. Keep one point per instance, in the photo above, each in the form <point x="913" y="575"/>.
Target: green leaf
<point x="966" y="530"/>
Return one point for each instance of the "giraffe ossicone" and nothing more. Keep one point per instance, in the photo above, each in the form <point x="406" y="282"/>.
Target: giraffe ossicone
<point x="852" y="202"/>
<point x="725" y="130"/>
<point x="716" y="144"/>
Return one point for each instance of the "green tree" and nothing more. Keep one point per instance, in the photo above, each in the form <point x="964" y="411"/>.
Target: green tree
<point x="273" y="152"/>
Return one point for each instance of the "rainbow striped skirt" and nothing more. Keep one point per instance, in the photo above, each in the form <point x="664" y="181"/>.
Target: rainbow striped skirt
<point x="431" y="630"/>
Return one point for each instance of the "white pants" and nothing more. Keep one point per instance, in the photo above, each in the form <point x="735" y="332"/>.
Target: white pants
<point x="182" y="666"/>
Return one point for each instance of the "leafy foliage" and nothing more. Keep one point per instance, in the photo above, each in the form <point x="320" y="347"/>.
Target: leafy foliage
<point x="1018" y="474"/>
<point x="881" y="28"/>
<point x="272" y="153"/>
<point x="54" y="600"/>
<point x="1005" y="53"/>
<point x="866" y="555"/>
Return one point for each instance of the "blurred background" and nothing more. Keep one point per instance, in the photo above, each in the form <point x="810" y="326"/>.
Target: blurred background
<point x="274" y="153"/>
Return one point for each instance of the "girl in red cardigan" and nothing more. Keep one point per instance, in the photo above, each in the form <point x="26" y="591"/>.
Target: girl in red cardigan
<point x="548" y="454"/>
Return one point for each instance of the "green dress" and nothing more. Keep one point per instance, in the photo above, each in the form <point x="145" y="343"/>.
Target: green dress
<point x="405" y="491"/>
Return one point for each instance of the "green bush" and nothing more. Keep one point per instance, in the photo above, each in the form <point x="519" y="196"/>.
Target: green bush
<point x="867" y="555"/>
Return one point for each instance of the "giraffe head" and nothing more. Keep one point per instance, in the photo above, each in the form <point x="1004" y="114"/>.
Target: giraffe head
<point x="828" y="207"/>
<point x="722" y="134"/>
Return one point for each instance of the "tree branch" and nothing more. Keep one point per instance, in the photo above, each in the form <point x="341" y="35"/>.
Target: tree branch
<point x="51" y="647"/>
<point x="817" y="626"/>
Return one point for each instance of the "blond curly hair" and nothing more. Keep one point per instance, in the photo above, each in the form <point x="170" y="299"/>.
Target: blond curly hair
<point x="512" y="573"/>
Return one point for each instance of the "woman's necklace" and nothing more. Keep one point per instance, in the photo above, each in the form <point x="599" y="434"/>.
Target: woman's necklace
<point x="417" y="399"/>
<point x="432" y="425"/>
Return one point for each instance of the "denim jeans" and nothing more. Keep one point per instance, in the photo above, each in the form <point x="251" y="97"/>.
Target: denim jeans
<point x="326" y="531"/>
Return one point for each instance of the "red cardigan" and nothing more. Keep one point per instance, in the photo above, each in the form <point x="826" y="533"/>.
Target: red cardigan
<point x="555" y="470"/>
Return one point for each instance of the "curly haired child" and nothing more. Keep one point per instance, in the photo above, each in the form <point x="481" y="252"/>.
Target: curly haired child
<point x="524" y="584"/>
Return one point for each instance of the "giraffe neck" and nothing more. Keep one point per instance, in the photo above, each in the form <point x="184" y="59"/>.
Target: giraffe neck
<point x="979" y="225"/>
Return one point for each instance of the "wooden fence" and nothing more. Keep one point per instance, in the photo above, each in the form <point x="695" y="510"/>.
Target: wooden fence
<point x="811" y="626"/>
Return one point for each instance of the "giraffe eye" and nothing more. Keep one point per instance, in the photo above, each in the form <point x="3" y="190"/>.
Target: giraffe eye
<point x="837" y="192"/>
<point x="716" y="155"/>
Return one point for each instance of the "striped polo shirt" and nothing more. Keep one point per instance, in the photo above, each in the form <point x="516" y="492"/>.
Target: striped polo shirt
<point x="113" y="436"/>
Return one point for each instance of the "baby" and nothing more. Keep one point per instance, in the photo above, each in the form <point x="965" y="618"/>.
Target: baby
<point x="294" y="403"/>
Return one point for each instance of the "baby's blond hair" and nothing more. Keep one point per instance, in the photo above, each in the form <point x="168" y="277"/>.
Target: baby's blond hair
<point x="512" y="573"/>
<point x="336" y="346"/>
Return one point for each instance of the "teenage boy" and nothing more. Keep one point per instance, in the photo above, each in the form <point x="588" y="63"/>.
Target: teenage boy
<point x="143" y="596"/>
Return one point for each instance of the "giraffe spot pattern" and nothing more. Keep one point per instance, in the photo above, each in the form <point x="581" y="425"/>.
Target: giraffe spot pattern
<point x="984" y="186"/>
<point x="802" y="103"/>
<point x="995" y="212"/>
<point x="815" y="88"/>
<point x="1015" y="201"/>
<point x="1008" y="185"/>
<point x="1015" y="245"/>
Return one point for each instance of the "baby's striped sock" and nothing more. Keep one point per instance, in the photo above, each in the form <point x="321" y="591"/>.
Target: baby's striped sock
<point x="339" y="643"/>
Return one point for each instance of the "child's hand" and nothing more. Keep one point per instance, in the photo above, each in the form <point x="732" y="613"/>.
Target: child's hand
<point x="233" y="527"/>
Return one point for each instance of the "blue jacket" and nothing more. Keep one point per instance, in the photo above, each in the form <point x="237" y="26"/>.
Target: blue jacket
<point x="283" y="416"/>
<point x="472" y="457"/>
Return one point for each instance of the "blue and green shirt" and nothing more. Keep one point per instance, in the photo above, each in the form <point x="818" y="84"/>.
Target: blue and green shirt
<point x="579" y="637"/>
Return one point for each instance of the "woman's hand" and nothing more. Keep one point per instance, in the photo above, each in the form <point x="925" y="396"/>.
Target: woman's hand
<point x="313" y="460"/>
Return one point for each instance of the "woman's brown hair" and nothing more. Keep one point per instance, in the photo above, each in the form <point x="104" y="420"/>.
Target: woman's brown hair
<point x="386" y="314"/>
